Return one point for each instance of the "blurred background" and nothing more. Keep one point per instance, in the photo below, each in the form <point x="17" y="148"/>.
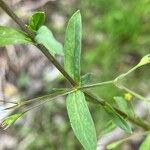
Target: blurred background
<point x="116" y="34"/>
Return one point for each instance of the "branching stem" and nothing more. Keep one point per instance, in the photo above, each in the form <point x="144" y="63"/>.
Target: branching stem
<point x="94" y="99"/>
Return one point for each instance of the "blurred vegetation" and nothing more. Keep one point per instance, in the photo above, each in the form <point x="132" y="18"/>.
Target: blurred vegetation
<point x="116" y="34"/>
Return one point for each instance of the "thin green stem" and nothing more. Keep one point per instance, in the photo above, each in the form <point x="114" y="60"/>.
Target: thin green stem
<point x="131" y="70"/>
<point x="96" y="85"/>
<point x="46" y="100"/>
<point x="135" y="94"/>
<point x="41" y="99"/>
<point x="136" y="120"/>
<point x="120" y="77"/>
<point x="6" y="8"/>
<point x="45" y="51"/>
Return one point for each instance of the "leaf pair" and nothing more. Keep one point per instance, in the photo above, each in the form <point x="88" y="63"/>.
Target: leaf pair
<point x="78" y="111"/>
<point x="43" y="36"/>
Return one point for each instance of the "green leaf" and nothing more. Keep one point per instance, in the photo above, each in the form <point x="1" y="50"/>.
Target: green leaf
<point x="45" y="36"/>
<point x="72" y="46"/>
<point x="117" y="119"/>
<point x="108" y="128"/>
<point x="86" y="78"/>
<point x="115" y="144"/>
<point x="124" y="105"/>
<point x="36" y="20"/>
<point x="9" y="36"/>
<point x="81" y="120"/>
<point x="145" y="60"/>
<point x="146" y="144"/>
<point x="8" y="121"/>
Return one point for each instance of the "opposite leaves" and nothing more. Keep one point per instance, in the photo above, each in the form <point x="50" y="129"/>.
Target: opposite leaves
<point x="81" y="120"/>
<point x="72" y="46"/>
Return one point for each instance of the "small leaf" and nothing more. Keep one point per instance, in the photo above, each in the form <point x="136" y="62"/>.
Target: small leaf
<point x="72" y="46"/>
<point x="44" y="36"/>
<point x="86" y="78"/>
<point x="145" y="60"/>
<point x="124" y="105"/>
<point x="9" y="36"/>
<point x="81" y="120"/>
<point x="8" y="121"/>
<point x="36" y="20"/>
<point x="117" y="119"/>
<point x="146" y="144"/>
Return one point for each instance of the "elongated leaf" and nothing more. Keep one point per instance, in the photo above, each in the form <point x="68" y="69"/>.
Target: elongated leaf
<point x="9" y="36"/>
<point x="145" y="60"/>
<point x="117" y="119"/>
<point x="45" y="36"/>
<point x="36" y="20"/>
<point x="81" y="120"/>
<point x="72" y="46"/>
<point x="115" y="144"/>
<point x="10" y="120"/>
<point x="146" y="144"/>
<point x="124" y="105"/>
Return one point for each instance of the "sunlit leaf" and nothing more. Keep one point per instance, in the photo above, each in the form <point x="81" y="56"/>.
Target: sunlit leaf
<point x="9" y="36"/>
<point x="45" y="36"/>
<point x="8" y="121"/>
<point x="72" y="46"/>
<point x="36" y="20"/>
<point x="117" y="119"/>
<point x="145" y="60"/>
<point x="146" y="144"/>
<point x="81" y="120"/>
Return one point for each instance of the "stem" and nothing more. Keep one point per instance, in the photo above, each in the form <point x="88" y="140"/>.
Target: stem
<point x="135" y="120"/>
<point x="56" y="64"/>
<point x="96" y="84"/>
<point x="6" y="8"/>
<point x="120" y="77"/>
<point x="131" y="70"/>
<point x="47" y="100"/>
<point x="134" y="93"/>
<point x="41" y="99"/>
